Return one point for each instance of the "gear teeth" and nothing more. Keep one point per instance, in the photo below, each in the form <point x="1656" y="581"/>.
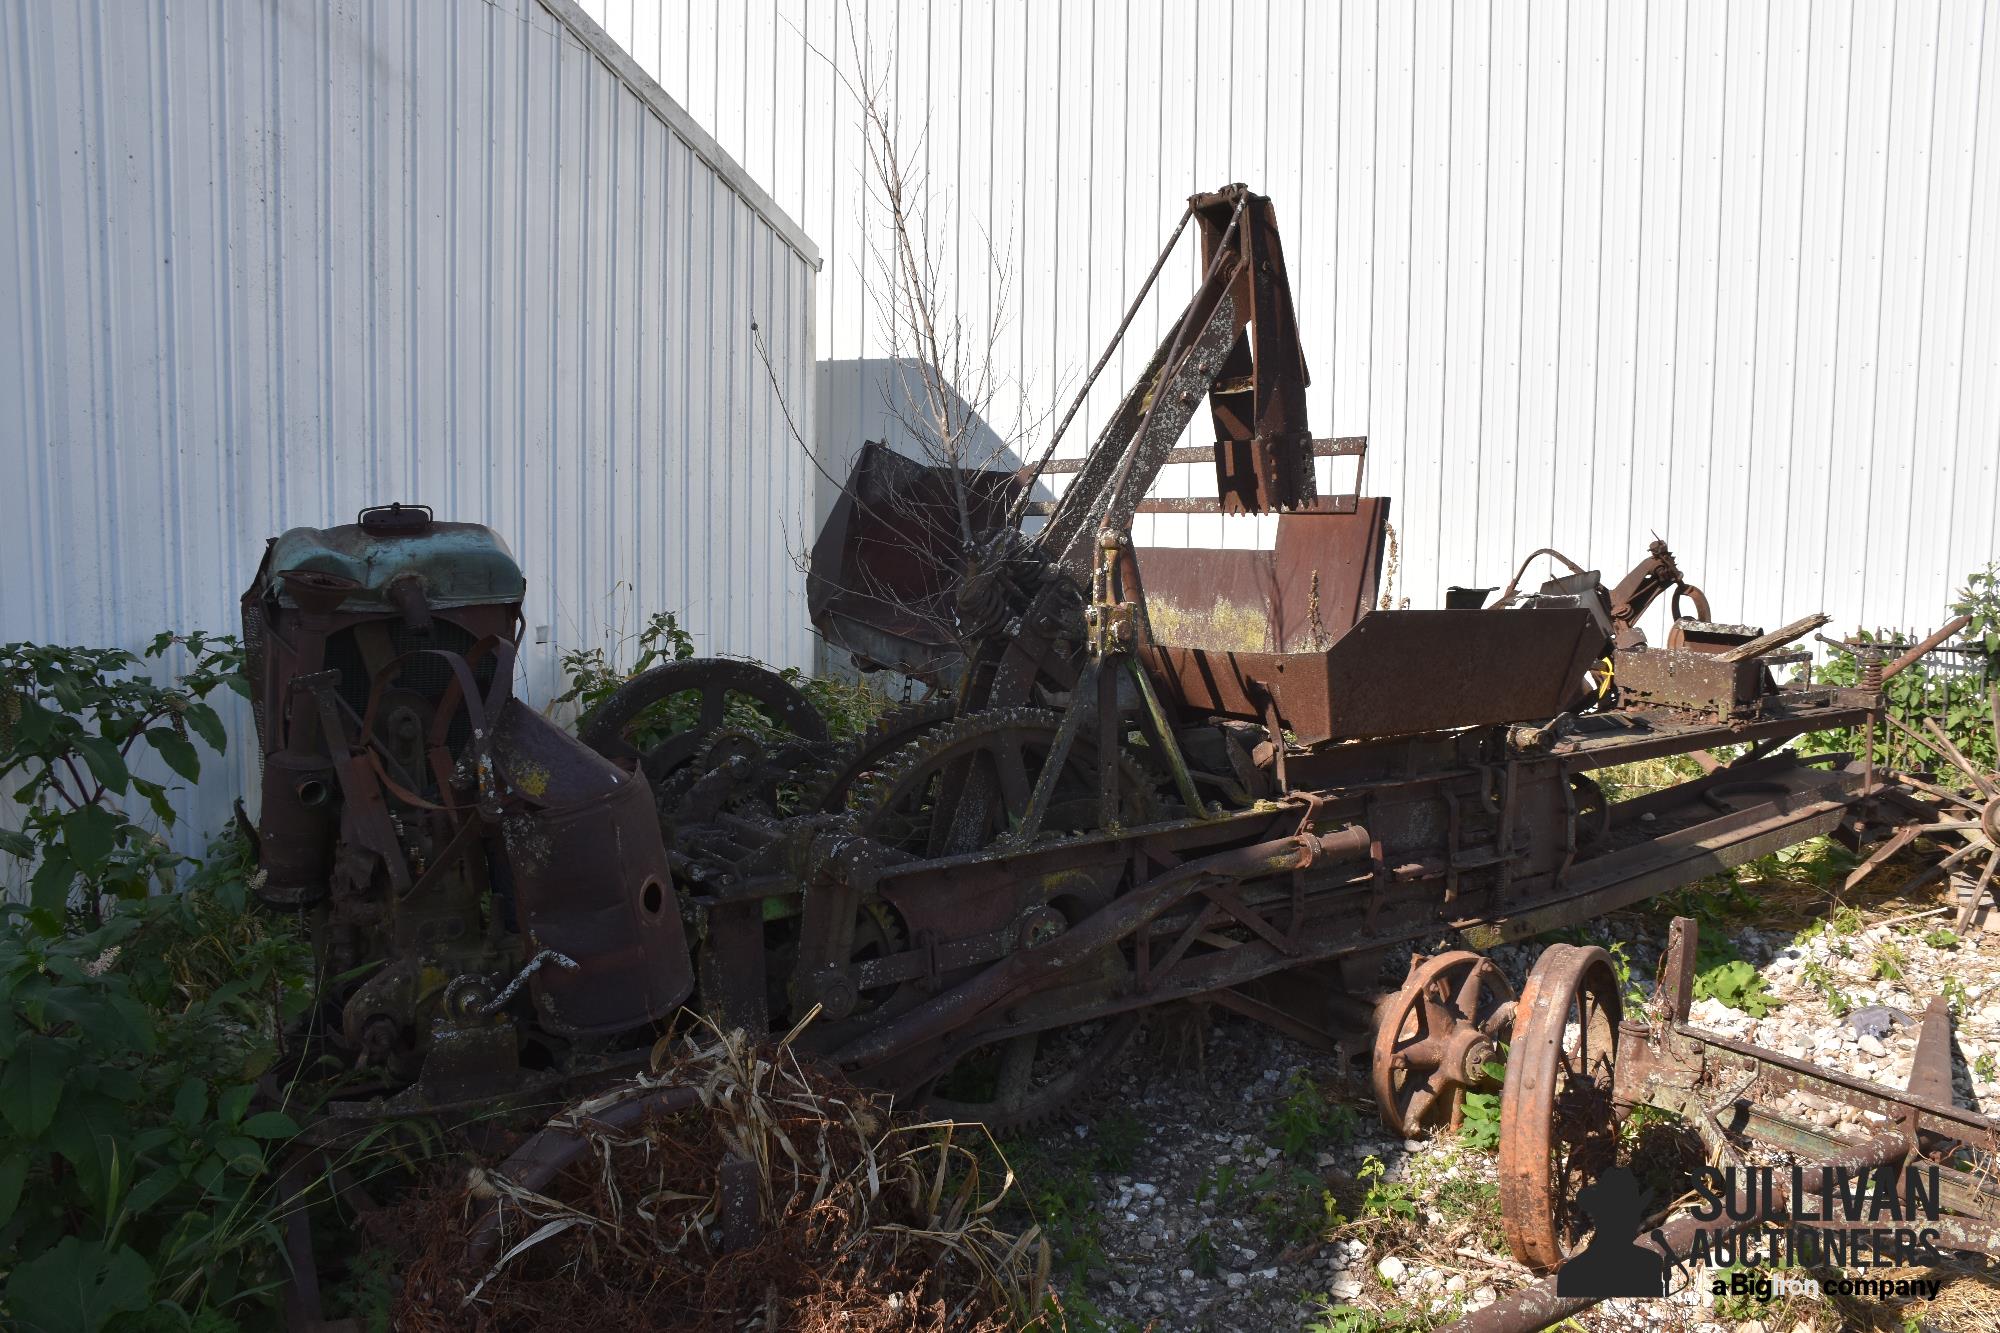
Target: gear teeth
<point x="876" y="795"/>
<point x="828" y="792"/>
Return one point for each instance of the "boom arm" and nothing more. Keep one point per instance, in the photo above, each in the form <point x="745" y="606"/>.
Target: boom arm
<point x="1237" y="344"/>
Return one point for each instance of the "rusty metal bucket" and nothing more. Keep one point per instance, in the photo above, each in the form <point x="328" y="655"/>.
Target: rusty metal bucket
<point x="1289" y="633"/>
<point x="886" y="563"/>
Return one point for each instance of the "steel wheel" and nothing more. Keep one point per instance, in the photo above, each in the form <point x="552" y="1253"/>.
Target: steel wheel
<point x="1558" y="1129"/>
<point x="1018" y="1082"/>
<point x="663" y="719"/>
<point x="1435" y="1037"/>
<point x="962" y="788"/>
<point x="1969" y="812"/>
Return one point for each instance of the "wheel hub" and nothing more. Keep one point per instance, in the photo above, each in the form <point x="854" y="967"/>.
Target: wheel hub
<point x="1435" y="1037"/>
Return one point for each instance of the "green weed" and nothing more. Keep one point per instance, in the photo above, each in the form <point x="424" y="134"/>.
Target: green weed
<point x="1202" y="1254"/>
<point x="1338" y="1317"/>
<point x="1306" y="1121"/>
<point x="1116" y="1140"/>
<point x="1293" y="1206"/>
<point x="1384" y="1198"/>
<point x="1480" y="1127"/>
<point x="1219" y="1183"/>
<point x="1821" y="979"/>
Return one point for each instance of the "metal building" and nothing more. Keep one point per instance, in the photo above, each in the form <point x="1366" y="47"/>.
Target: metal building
<point x="1580" y="270"/>
<point x="263" y="262"/>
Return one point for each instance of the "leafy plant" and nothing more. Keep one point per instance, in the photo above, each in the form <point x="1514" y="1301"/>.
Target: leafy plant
<point x="1307" y="1121"/>
<point x="1294" y="1206"/>
<point x="136" y="1171"/>
<point x="1716" y="902"/>
<point x="1203" y="1256"/>
<point x="1628" y="985"/>
<point x="1066" y="1206"/>
<point x="1339" y="1317"/>
<point x="1821" y="979"/>
<point x="72" y="722"/>
<point x="848" y="706"/>
<point x="1465" y="1199"/>
<point x="1075" y="1312"/>
<point x="1942" y="938"/>
<point x="1721" y="975"/>
<point x="1955" y="994"/>
<point x="1384" y="1197"/>
<point x="1986" y="1067"/>
<point x="1117" y="1138"/>
<point x="1218" y="1184"/>
<point x="1888" y="962"/>
<point x="1919" y="691"/>
<point x="594" y="674"/>
<point x="1480" y="1127"/>
<point x="1738" y="985"/>
<point x="1980" y="599"/>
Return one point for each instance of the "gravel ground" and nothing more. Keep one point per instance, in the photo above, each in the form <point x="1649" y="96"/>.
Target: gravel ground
<point x="1197" y="1193"/>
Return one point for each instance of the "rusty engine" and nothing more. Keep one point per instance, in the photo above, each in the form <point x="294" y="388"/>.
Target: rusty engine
<point x="451" y="845"/>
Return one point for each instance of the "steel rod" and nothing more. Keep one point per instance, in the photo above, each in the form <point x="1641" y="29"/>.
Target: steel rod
<point x="1019" y="506"/>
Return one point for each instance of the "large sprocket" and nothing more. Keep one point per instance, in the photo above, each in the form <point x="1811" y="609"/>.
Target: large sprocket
<point x="964" y="786"/>
<point x="961" y="788"/>
<point x="828" y="793"/>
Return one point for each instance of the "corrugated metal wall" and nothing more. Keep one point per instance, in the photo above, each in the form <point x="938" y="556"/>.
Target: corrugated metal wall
<point x="263" y="262"/>
<point x="1582" y="271"/>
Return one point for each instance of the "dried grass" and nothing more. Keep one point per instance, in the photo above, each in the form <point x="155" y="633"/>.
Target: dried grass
<point x="868" y="1224"/>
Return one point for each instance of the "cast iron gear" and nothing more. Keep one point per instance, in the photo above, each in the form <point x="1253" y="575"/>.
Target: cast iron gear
<point x="828" y="793"/>
<point x="964" y="786"/>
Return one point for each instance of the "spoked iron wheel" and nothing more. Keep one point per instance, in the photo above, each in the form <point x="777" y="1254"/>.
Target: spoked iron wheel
<point x="664" y="719"/>
<point x="1019" y="1082"/>
<point x="1435" y="1037"/>
<point x="1558" y="1130"/>
<point x="1968" y="800"/>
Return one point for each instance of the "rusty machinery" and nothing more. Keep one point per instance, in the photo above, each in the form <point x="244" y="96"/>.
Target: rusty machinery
<point x="1154" y="775"/>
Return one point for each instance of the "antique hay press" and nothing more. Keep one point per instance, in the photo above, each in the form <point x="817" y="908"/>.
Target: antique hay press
<point x="1150" y="775"/>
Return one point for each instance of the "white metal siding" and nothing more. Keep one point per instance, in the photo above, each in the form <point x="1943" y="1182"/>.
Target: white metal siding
<point x="263" y="263"/>
<point x="1582" y="271"/>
